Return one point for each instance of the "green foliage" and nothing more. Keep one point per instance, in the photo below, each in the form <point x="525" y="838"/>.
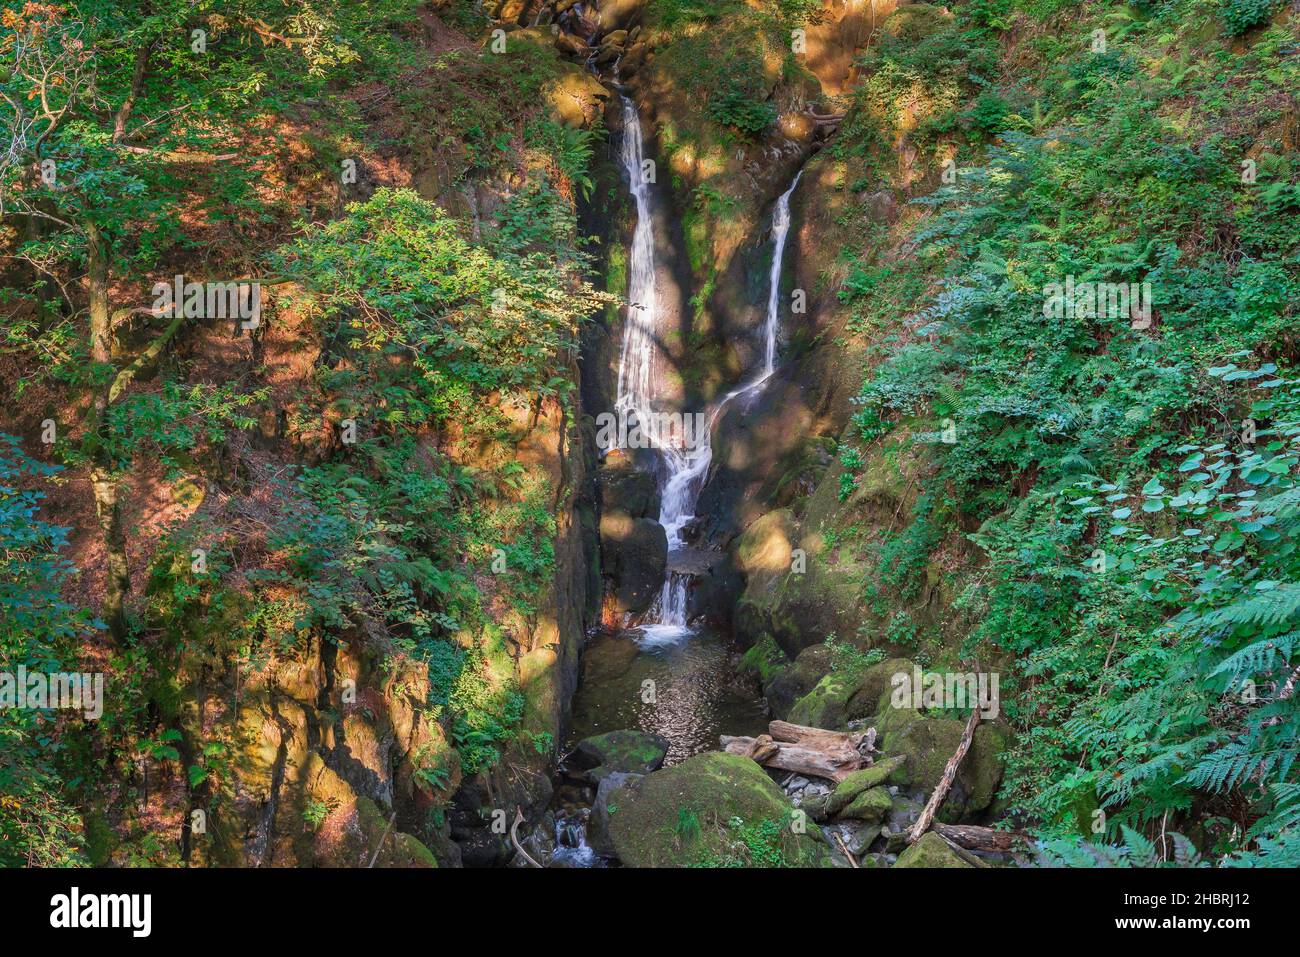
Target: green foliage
<point x="1140" y="548"/>
<point x="737" y="106"/>
<point x="39" y="825"/>
<point x="314" y="813"/>
<point x="751" y="844"/>
<point x="1242" y="15"/>
<point x="848" y="658"/>
<point x="1136" y="851"/>
<point x="687" y="827"/>
<point x="396" y="279"/>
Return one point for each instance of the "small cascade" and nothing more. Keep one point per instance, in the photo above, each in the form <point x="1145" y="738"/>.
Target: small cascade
<point x="571" y="848"/>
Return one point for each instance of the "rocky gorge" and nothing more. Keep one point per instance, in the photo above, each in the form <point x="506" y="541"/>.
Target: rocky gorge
<point x="652" y="449"/>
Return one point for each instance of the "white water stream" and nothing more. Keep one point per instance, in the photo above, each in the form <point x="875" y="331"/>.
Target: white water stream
<point x="685" y="466"/>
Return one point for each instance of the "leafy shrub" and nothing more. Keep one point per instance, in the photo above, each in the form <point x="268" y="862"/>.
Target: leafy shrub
<point x="1242" y="15"/>
<point x="738" y="107"/>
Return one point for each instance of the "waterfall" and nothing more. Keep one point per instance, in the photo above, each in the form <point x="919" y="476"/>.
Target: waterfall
<point x="685" y="466"/>
<point x="636" y="381"/>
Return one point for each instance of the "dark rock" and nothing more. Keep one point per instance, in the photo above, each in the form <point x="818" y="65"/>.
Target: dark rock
<point x="624" y="488"/>
<point x="636" y="752"/>
<point x="796" y="679"/>
<point x="603" y="808"/>
<point x="634" y="553"/>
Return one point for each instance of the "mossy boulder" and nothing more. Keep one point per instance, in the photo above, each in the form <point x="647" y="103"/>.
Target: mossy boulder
<point x="789" y="683"/>
<point x="933" y="851"/>
<point x="634" y="752"/>
<point x="929" y="742"/>
<point x="604" y="808"/>
<point x="871" y="805"/>
<point x="843" y="695"/>
<point x="873" y="685"/>
<point x="823" y="707"/>
<point x="879" y="774"/>
<point x="793" y="591"/>
<point x="713" y="808"/>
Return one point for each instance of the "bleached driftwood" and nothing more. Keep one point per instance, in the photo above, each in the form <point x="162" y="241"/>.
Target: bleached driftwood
<point x="817" y="752"/>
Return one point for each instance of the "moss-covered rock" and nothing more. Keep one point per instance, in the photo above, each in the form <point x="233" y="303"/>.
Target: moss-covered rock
<point x="871" y="805"/>
<point x="603" y="808"/>
<point x="786" y="685"/>
<point x="928" y="743"/>
<point x="843" y="696"/>
<point x="711" y="809"/>
<point x="933" y="851"/>
<point x="823" y="707"/>
<point x="880" y="773"/>
<point x="635" y="752"/>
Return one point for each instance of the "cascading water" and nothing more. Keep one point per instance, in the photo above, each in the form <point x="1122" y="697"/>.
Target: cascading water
<point x="685" y="465"/>
<point x="636" y="381"/>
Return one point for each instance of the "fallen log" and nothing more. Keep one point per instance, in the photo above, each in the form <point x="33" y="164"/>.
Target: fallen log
<point x="820" y="737"/>
<point x="945" y="782"/>
<point x="976" y="838"/>
<point x="833" y="755"/>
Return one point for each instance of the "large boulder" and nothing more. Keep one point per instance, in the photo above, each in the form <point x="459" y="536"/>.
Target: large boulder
<point x="714" y="809"/>
<point x="634" y="555"/>
<point x="845" y="695"/>
<point x="603" y="809"/>
<point x="634" y="546"/>
<point x="791" y="682"/>
<point x="794" y="590"/>
<point x="929" y="742"/>
<point x="636" y="752"/>
<point x="619" y="14"/>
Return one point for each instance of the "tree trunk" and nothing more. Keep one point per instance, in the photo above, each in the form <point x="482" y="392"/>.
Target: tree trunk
<point x="975" y="838"/>
<point x="945" y="782"/>
<point x="104" y="480"/>
<point x="833" y="755"/>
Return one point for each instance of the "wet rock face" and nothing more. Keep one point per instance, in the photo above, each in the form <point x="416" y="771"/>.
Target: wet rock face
<point x="633" y="545"/>
<point x="634" y="554"/>
<point x="626" y="489"/>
